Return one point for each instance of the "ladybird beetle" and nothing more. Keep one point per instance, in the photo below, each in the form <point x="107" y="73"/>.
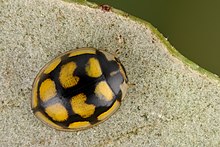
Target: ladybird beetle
<point x="79" y="89"/>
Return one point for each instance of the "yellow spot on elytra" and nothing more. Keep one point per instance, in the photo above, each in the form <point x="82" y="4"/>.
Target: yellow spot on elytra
<point x="93" y="68"/>
<point x="34" y="101"/>
<point x="52" y="66"/>
<point x="102" y="90"/>
<point x="82" y="51"/>
<point x="57" y="112"/>
<point x="67" y="79"/>
<point x="47" y="90"/>
<point x="81" y="124"/>
<point x="109" y="112"/>
<point x="46" y="120"/>
<point x="80" y="107"/>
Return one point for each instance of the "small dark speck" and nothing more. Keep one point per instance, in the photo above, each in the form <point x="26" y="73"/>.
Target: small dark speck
<point x="158" y="134"/>
<point x="153" y="40"/>
<point x="210" y="105"/>
<point x="126" y="15"/>
<point x="145" y="116"/>
<point x="2" y="102"/>
<point x="105" y="8"/>
<point x="138" y="107"/>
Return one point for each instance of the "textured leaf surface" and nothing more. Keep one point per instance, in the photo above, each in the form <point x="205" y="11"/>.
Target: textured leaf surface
<point x="173" y="102"/>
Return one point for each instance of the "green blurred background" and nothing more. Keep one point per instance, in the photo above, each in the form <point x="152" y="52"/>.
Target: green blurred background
<point x="191" y="26"/>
